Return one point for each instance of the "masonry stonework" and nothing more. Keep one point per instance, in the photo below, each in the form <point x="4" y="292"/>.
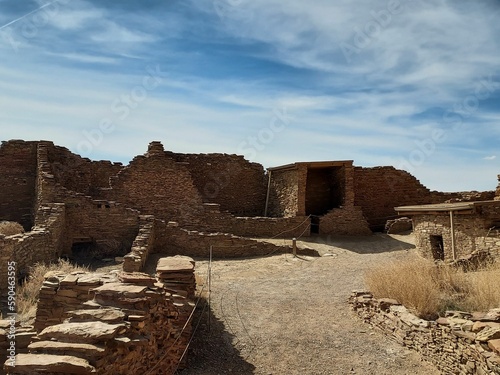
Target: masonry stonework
<point x="18" y="170"/>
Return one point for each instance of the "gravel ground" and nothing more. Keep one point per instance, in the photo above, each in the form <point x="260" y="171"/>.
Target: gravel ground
<point x="283" y="315"/>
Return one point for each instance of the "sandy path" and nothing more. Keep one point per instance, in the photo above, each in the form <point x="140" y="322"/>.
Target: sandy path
<point x="279" y="315"/>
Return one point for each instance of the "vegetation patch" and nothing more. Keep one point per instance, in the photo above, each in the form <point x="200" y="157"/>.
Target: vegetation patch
<point x="429" y="289"/>
<point x="9" y="228"/>
<point x="27" y="293"/>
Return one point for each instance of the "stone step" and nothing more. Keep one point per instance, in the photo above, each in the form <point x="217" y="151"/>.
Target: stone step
<point x="84" y="332"/>
<point x="86" y="351"/>
<point x="48" y="363"/>
<point x="107" y="315"/>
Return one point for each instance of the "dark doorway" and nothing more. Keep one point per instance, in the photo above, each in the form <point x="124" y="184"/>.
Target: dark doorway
<point x="315" y="224"/>
<point x="437" y="246"/>
<point x="325" y="189"/>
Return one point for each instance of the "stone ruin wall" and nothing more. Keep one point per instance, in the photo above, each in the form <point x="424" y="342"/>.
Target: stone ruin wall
<point x="461" y="343"/>
<point x="379" y="189"/>
<point x="158" y="237"/>
<point x="42" y="244"/>
<point x="346" y="221"/>
<point x="114" y="323"/>
<point x="157" y="185"/>
<point x="425" y="226"/>
<point x="284" y="193"/>
<point x="80" y="175"/>
<point x="237" y="185"/>
<point x="18" y="170"/>
<point x="473" y="232"/>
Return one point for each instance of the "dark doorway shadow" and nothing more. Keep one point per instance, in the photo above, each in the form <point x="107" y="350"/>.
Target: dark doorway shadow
<point x="212" y="351"/>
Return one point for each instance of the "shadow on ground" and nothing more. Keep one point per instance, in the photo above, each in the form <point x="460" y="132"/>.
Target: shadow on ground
<point x="374" y="244"/>
<point x="212" y="351"/>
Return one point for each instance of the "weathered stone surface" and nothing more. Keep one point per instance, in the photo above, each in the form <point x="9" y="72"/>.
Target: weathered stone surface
<point x="86" y="332"/>
<point x="104" y="315"/>
<point x="494" y="345"/>
<point x="86" y="350"/>
<point x="175" y="264"/>
<point x="31" y="363"/>
<point x="488" y="333"/>
<point x="127" y="290"/>
<point x="450" y="343"/>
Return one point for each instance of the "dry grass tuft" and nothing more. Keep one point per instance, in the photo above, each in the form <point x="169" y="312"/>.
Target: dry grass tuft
<point x="27" y="293"/>
<point x="429" y="290"/>
<point x="9" y="228"/>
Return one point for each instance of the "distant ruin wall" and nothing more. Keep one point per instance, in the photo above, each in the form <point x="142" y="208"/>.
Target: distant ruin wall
<point x="378" y="190"/>
<point x="236" y="184"/>
<point x="344" y="221"/>
<point x="142" y="246"/>
<point x="43" y="244"/>
<point x="171" y="239"/>
<point x="79" y="174"/>
<point x="157" y="185"/>
<point x="18" y="168"/>
<point x="462" y="343"/>
<point x="284" y="193"/>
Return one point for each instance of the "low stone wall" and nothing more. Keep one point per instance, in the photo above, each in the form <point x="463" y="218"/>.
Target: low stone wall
<point x="142" y="245"/>
<point x="114" y="323"/>
<point x="344" y="221"/>
<point x="171" y="239"/>
<point x="42" y="244"/>
<point x="267" y="227"/>
<point x="461" y="343"/>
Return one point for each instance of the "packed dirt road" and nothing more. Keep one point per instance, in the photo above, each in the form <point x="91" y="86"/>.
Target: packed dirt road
<point x="283" y="315"/>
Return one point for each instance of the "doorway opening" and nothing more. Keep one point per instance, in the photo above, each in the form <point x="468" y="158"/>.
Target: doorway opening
<point x="437" y="246"/>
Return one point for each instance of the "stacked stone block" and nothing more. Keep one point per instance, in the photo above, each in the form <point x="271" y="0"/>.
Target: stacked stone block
<point x="460" y="343"/>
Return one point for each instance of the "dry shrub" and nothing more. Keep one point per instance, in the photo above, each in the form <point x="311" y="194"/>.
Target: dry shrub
<point x="412" y="283"/>
<point x="484" y="292"/>
<point x="9" y="228"/>
<point x="428" y="290"/>
<point x="27" y="293"/>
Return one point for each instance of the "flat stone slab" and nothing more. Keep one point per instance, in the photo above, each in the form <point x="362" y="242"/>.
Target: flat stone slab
<point x="488" y="333"/>
<point x="65" y="364"/>
<point x="127" y="290"/>
<point x="104" y="315"/>
<point x="88" y="350"/>
<point x="175" y="264"/>
<point x="84" y="332"/>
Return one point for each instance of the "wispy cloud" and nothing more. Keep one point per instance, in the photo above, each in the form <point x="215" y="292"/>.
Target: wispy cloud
<point x="226" y="65"/>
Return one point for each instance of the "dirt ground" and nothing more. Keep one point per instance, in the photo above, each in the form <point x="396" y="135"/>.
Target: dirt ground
<point x="284" y="315"/>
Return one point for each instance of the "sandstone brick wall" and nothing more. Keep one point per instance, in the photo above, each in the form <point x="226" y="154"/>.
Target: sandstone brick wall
<point x="468" y="228"/>
<point x="284" y="193"/>
<point x="171" y="239"/>
<point x="156" y="184"/>
<point x="18" y="168"/>
<point x="42" y="244"/>
<point x="113" y="323"/>
<point x="462" y="343"/>
<point x="344" y="221"/>
<point x="143" y="245"/>
<point x="378" y="190"/>
<point x="236" y="184"/>
<point x="80" y="174"/>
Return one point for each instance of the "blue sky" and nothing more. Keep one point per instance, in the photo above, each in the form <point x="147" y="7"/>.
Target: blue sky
<point x="409" y="83"/>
